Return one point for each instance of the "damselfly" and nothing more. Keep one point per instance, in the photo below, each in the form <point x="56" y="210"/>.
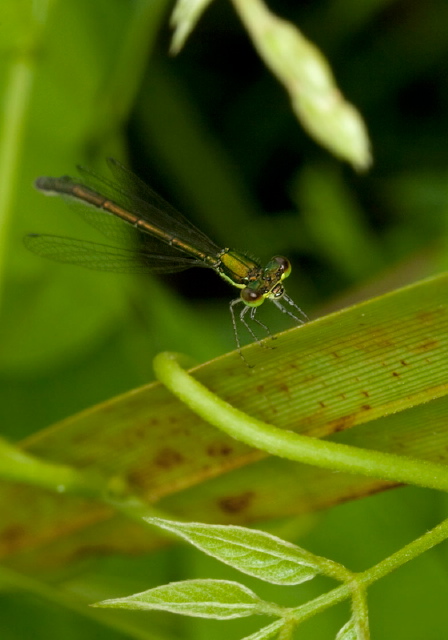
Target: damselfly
<point x="164" y="241"/>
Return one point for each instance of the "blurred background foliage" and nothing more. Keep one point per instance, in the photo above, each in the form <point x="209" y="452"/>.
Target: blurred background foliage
<point x="213" y="131"/>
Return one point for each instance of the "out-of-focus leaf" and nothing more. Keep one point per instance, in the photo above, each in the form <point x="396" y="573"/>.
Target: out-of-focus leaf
<point x="348" y="632"/>
<point x="273" y="630"/>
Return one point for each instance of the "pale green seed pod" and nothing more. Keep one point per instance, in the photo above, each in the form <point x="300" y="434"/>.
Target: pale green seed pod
<point x="301" y="68"/>
<point x="306" y="75"/>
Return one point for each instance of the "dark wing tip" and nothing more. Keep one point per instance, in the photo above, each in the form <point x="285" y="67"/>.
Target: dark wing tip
<point x="30" y="241"/>
<point x="52" y="186"/>
<point x="40" y="183"/>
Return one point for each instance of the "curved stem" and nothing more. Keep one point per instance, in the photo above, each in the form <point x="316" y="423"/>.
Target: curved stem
<point x="290" y="445"/>
<point x="17" y="465"/>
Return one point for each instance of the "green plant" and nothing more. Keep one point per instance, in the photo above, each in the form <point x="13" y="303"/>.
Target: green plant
<point x="273" y="560"/>
<point x="347" y="406"/>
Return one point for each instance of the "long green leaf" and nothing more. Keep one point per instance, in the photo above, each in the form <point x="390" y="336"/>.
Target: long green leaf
<point x="375" y="366"/>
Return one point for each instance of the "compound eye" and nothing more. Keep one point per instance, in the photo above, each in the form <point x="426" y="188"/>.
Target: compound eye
<point x="251" y="297"/>
<point x="284" y="265"/>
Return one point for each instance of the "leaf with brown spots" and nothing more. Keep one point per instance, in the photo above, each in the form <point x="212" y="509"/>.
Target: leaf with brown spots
<point x="373" y="375"/>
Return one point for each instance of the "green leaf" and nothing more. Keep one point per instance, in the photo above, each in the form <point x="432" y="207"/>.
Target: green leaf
<point x="253" y="552"/>
<point x="273" y="630"/>
<point x="349" y="631"/>
<point x="218" y="599"/>
<point x="373" y="375"/>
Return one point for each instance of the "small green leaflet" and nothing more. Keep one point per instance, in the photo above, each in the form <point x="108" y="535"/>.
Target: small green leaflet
<point x="253" y="552"/>
<point x="218" y="599"/>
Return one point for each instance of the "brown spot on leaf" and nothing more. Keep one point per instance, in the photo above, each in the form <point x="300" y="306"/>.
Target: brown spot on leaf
<point x="427" y="316"/>
<point x="366" y="407"/>
<point x="236" y="504"/>
<point x="218" y="449"/>
<point x="138" y="477"/>
<point x="427" y="345"/>
<point x="366" y="394"/>
<point x="168" y="458"/>
<point x="11" y="537"/>
<point x="139" y="432"/>
<point x="345" y="422"/>
<point x="395" y="374"/>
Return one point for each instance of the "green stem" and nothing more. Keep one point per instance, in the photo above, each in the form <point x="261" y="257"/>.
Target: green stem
<point x="18" y="466"/>
<point x="360" y="611"/>
<point x="408" y="552"/>
<point x="366" y="578"/>
<point x="290" y="445"/>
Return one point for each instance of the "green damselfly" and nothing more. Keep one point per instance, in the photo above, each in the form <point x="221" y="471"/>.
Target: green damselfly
<point x="126" y="209"/>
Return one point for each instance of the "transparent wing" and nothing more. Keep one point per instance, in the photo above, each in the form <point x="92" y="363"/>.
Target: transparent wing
<point x="131" y="193"/>
<point x="109" y="225"/>
<point x="116" y="229"/>
<point x="100" y="257"/>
